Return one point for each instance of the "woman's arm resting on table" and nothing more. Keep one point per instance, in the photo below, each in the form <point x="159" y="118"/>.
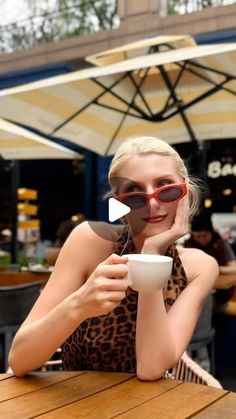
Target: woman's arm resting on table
<point x="163" y="337"/>
<point x="69" y="298"/>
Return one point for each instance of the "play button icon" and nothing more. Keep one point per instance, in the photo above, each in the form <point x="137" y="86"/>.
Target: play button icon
<point x="116" y="210"/>
<point x="111" y="229"/>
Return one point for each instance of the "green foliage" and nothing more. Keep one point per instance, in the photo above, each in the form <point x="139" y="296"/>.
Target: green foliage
<point x="5" y="260"/>
<point x="52" y="20"/>
<point x="59" y="19"/>
<point x="188" y="6"/>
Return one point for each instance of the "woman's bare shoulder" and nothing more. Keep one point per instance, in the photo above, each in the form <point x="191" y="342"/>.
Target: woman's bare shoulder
<point x="83" y="250"/>
<point x="197" y="263"/>
<point x="94" y="241"/>
<point x="98" y="232"/>
<point x="192" y="253"/>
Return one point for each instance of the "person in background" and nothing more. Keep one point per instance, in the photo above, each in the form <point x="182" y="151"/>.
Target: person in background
<point x="87" y="307"/>
<point x="66" y="227"/>
<point x="63" y="231"/>
<point x="204" y="237"/>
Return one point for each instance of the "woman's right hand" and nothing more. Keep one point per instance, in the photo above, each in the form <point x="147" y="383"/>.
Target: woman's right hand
<point x="160" y="242"/>
<point x="105" y="288"/>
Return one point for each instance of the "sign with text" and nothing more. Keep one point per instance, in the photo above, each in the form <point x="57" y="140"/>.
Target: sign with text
<point x="216" y="169"/>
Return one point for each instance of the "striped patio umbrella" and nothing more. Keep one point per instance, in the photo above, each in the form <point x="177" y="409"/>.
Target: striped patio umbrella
<point x="17" y="143"/>
<point x="180" y="95"/>
<point x="141" y="47"/>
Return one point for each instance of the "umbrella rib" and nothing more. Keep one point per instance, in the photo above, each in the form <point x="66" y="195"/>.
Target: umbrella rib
<point x="182" y="68"/>
<point x="138" y="91"/>
<point x="115" y="133"/>
<point x="112" y="108"/>
<point x="205" y="67"/>
<point x="135" y="107"/>
<point x="140" y="115"/>
<point x="190" y="70"/>
<point x="180" y="109"/>
<point x="196" y="100"/>
<point x="126" y="113"/>
<point x="202" y="77"/>
<point x="156" y="48"/>
<point x="95" y="100"/>
<point x="228" y="78"/>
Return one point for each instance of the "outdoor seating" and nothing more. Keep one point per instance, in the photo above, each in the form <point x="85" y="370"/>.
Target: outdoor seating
<point x="54" y="363"/>
<point x="204" y="334"/>
<point x="15" y="303"/>
<point x="188" y="370"/>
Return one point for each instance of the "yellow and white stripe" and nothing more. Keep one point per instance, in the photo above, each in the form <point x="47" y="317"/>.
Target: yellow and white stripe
<point x="47" y="104"/>
<point x="139" y="48"/>
<point x="17" y="143"/>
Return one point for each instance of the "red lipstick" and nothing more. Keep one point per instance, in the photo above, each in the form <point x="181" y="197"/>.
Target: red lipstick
<point x="155" y="219"/>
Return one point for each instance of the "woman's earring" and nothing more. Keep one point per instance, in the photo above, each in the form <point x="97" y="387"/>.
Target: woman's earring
<point x="123" y="220"/>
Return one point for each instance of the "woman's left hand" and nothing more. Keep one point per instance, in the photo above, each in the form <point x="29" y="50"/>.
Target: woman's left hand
<point x="160" y="242"/>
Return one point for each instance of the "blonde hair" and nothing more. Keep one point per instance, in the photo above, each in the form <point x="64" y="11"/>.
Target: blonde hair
<point x="152" y="145"/>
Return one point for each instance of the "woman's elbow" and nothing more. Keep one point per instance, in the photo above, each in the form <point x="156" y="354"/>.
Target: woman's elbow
<point x="15" y="365"/>
<point x="15" y="369"/>
<point x="149" y="375"/>
<point x="149" y="372"/>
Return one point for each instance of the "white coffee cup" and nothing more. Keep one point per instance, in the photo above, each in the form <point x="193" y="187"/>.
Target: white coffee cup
<point x="148" y="272"/>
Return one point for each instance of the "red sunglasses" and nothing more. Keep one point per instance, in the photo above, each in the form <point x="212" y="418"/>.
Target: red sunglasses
<point x="169" y="194"/>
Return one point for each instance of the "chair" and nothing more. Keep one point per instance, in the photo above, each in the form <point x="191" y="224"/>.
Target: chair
<point x="188" y="370"/>
<point x="204" y="333"/>
<point x="54" y="363"/>
<point x="15" y="303"/>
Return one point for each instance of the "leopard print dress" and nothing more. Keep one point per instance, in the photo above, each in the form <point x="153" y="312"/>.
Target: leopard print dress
<point x="107" y="343"/>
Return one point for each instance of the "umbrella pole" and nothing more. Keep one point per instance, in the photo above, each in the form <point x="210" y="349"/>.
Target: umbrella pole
<point x="202" y="161"/>
<point x="202" y="170"/>
<point x="14" y="200"/>
<point x="90" y="184"/>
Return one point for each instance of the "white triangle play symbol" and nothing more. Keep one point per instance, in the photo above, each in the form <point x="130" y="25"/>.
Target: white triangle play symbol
<point x="116" y="209"/>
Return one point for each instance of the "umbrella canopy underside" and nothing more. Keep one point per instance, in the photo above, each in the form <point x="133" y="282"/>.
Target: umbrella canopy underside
<point x="17" y="143"/>
<point x="181" y="95"/>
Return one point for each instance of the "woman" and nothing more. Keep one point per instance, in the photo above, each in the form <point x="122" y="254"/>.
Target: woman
<point x="87" y="307"/>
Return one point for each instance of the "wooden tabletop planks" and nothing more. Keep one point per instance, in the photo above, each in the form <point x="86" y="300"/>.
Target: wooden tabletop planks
<point x="180" y="402"/>
<point x="114" y="401"/>
<point x="32" y="382"/>
<point x="5" y="376"/>
<point x="44" y="399"/>
<point x="223" y="408"/>
<point x="101" y="395"/>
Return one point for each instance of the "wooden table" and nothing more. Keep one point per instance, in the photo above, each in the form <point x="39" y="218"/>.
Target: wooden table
<point x="224" y="281"/>
<point x="19" y="277"/>
<point x="99" y="395"/>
